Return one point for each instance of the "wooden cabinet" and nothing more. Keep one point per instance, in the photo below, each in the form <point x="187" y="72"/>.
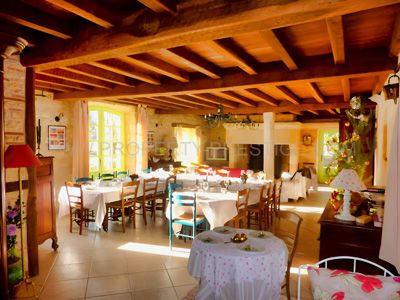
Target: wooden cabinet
<point x="46" y="218"/>
<point x="350" y="239"/>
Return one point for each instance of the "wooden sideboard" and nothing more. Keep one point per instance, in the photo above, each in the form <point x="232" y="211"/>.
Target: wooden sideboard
<point x="46" y="216"/>
<point x="350" y="239"/>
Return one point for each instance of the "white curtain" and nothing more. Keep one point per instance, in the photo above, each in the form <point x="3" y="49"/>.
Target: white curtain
<point x="80" y="148"/>
<point x="188" y="145"/>
<point x="141" y="139"/>
<point x="390" y="245"/>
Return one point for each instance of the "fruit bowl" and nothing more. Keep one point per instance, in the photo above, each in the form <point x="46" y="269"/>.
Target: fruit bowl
<point x="239" y="238"/>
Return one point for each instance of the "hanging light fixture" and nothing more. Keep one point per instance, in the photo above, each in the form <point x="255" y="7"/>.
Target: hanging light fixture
<point x="391" y="89"/>
<point x="247" y="123"/>
<point x="219" y="117"/>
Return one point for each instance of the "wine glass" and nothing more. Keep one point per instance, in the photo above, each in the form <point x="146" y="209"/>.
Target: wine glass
<point x="205" y="186"/>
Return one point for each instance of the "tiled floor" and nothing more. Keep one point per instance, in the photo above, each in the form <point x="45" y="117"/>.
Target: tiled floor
<point x="138" y="265"/>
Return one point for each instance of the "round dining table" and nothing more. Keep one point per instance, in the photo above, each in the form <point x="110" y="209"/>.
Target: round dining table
<point x="252" y="270"/>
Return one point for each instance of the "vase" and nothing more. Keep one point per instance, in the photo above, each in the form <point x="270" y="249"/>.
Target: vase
<point x="14" y="267"/>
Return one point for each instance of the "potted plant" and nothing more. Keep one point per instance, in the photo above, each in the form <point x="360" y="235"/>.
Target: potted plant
<point x="13" y="256"/>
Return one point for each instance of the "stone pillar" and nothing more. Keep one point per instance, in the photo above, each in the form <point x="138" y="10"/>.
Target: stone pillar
<point x="269" y="142"/>
<point x="9" y="45"/>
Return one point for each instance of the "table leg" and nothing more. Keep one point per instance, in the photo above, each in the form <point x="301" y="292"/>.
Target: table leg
<point x="105" y="223"/>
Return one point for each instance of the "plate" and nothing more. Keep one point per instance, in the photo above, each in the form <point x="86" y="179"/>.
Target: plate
<point x="223" y="230"/>
<point x="260" y="234"/>
<point x="249" y="248"/>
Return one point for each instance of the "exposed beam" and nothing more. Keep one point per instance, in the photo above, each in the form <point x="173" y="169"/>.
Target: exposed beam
<point x="101" y="74"/>
<point x="193" y="61"/>
<point x="174" y="102"/>
<point x="263" y="97"/>
<point x="153" y="64"/>
<point x="89" y="10"/>
<point x="313" y="112"/>
<point x="215" y="99"/>
<point x="331" y="111"/>
<point x="61" y="82"/>
<point x="316" y="92"/>
<point x="123" y="68"/>
<point x="273" y="41"/>
<point x="236" y="98"/>
<point x="50" y="86"/>
<point x="31" y="17"/>
<point x="139" y="101"/>
<point x="394" y="48"/>
<point x="362" y="64"/>
<point x="174" y="99"/>
<point x="288" y="94"/>
<point x="232" y="54"/>
<point x="71" y="76"/>
<point x="346" y="89"/>
<point x="379" y="82"/>
<point x="155" y="103"/>
<point x="194" y="24"/>
<point x="188" y="99"/>
<point x="160" y="6"/>
<point x="336" y="37"/>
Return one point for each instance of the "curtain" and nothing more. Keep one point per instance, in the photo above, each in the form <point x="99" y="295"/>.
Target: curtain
<point x="80" y="149"/>
<point x="188" y="145"/>
<point x="141" y="139"/>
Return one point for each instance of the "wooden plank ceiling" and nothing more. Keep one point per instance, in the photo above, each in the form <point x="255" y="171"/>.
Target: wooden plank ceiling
<point x="189" y="56"/>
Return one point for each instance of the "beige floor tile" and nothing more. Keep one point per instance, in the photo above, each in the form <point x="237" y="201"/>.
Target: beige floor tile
<point x="108" y="267"/>
<point x="124" y="296"/>
<point x="108" y="285"/>
<point x="181" y="291"/>
<point x="181" y="277"/>
<point x="68" y="272"/>
<point x="150" y="280"/>
<point x="155" y="294"/>
<point x="66" y="289"/>
<point x="172" y="262"/>
<point x="73" y="257"/>
<point x="142" y="263"/>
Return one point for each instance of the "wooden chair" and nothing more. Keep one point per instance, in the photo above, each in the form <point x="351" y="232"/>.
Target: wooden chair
<point x="270" y="206"/>
<point x="163" y="195"/>
<point x="127" y="202"/>
<point x="77" y="211"/>
<point x="259" y="209"/>
<point x="286" y="226"/>
<point x="277" y="196"/>
<point x="148" y="200"/>
<point x="241" y="205"/>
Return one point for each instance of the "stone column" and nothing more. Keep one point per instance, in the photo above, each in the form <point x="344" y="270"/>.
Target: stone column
<point x="269" y="142"/>
<point x="9" y="45"/>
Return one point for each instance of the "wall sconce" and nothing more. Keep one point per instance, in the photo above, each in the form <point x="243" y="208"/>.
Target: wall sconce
<point x="58" y="118"/>
<point x="307" y="140"/>
<point x="391" y="90"/>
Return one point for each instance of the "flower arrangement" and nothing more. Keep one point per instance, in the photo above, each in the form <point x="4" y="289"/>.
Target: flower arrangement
<point x="13" y="223"/>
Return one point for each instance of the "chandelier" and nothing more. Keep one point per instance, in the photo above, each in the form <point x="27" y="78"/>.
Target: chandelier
<point x="219" y="117"/>
<point x="247" y="123"/>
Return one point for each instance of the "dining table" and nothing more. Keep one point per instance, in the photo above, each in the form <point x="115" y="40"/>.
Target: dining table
<point x="250" y="270"/>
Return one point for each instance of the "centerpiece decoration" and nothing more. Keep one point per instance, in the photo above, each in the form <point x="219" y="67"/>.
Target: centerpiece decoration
<point x="239" y="238"/>
<point x="13" y="256"/>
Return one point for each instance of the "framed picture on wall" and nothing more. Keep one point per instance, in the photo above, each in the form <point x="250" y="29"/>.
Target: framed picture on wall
<point x="57" y="135"/>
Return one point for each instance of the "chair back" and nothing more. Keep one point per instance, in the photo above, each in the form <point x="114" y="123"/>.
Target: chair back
<point x="134" y="177"/>
<point x="172" y="187"/>
<point x="148" y="170"/>
<point x="129" y="192"/>
<point x="242" y="200"/>
<point x="74" y="194"/>
<point x="170" y="179"/>
<point x="121" y="174"/>
<point x="264" y="195"/>
<point x="83" y="179"/>
<point x="106" y="176"/>
<point x="150" y="187"/>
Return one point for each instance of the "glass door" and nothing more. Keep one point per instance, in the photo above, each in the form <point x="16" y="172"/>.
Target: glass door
<point x="325" y="154"/>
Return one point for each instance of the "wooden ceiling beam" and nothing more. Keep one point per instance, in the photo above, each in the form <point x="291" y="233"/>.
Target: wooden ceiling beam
<point x="336" y="37"/>
<point x="394" y="48"/>
<point x="173" y="99"/>
<point x="378" y="86"/>
<point x="175" y="102"/>
<point x="50" y="86"/>
<point x="156" y="65"/>
<point x="238" y="59"/>
<point x="101" y="74"/>
<point x="316" y="69"/>
<point x="125" y="69"/>
<point x="346" y="89"/>
<point x="331" y="111"/>
<point x="313" y="112"/>
<point x="61" y="82"/>
<point x="160" y="6"/>
<point x="273" y="41"/>
<point x="31" y="17"/>
<point x="194" y="61"/>
<point x="215" y="100"/>
<point x="232" y="96"/>
<point x="316" y="92"/>
<point x="263" y="97"/>
<point x="288" y="94"/>
<point x="71" y="76"/>
<point x="188" y="99"/>
<point x="154" y="103"/>
<point x="90" y="10"/>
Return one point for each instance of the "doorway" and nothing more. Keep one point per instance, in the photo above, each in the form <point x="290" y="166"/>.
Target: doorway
<point x="325" y="155"/>
<point x="256" y="157"/>
<point x="282" y="160"/>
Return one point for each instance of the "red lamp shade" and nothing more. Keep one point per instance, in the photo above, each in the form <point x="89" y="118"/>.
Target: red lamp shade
<point x="19" y="156"/>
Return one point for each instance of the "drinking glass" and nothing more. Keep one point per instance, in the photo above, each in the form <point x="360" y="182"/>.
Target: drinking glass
<point x="205" y="186"/>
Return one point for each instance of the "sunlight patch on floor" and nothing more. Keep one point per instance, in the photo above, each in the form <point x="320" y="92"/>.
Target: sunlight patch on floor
<point x="155" y="249"/>
<point x="303" y="209"/>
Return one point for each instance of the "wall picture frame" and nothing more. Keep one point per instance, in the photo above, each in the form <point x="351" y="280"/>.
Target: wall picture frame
<point x="57" y="137"/>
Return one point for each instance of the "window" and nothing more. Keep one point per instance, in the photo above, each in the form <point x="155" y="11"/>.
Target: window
<point x="188" y="145"/>
<point x="106" y="137"/>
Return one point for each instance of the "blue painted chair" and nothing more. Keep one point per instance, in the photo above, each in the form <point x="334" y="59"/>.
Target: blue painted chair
<point x="83" y="179"/>
<point x="187" y="219"/>
<point x="148" y="170"/>
<point x="121" y="174"/>
<point x="106" y="176"/>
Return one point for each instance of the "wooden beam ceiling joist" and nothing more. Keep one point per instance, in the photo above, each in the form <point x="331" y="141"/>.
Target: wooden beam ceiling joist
<point x="273" y="41"/>
<point x="288" y="94"/>
<point x="20" y="31"/>
<point x="394" y="48"/>
<point x="125" y="69"/>
<point x="61" y="82"/>
<point x="263" y="97"/>
<point x="319" y="69"/>
<point x="237" y="56"/>
<point x="71" y="76"/>
<point x="50" y="86"/>
<point x="378" y="86"/>
<point x="101" y="74"/>
<point x="336" y="37"/>
<point x="153" y="103"/>
<point x="331" y="111"/>
<point x="191" y="100"/>
<point x="168" y="101"/>
<point x="313" y="112"/>
<point x="160" y="6"/>
<point x="316" y="92"/>
<point x="193" y="61"/>
<point x="156" y="65"/>
<point x="89" y="10"/>
<point x="173" y="100"/>
<point x="232" y="96"/>
<point x="194" y="24"/>
<point x="31" y="17"/>
<point x="346" y="89"/>
<point x="215" y="100"/>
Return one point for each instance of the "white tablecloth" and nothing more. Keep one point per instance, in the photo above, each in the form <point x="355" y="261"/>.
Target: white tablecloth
<point x="229" y="273"/>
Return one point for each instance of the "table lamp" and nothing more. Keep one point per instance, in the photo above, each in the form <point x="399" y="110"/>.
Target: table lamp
<point x="349" y="181"/>
<point x="20" y="156"/>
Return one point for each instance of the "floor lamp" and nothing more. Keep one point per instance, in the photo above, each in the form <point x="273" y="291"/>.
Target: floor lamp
<point x="21" y="156"/>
